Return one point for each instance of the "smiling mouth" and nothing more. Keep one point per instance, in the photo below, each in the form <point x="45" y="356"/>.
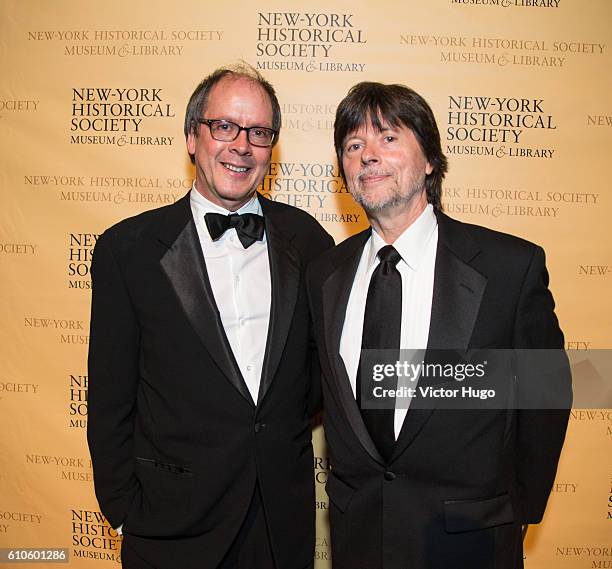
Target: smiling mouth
<point x="372" y="179"/>
<point x="232" y="168"/>
<point x="372" y="175"/>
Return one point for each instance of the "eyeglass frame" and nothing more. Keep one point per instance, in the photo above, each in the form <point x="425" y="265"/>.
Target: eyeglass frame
<point x="247" y="129"/>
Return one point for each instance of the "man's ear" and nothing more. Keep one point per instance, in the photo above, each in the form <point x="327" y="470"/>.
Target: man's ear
<point x="191" y="141"/>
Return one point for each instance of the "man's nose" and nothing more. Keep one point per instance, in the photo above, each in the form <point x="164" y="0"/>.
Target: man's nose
<point x="369" y="155"/>
<point x="241" y="144"/>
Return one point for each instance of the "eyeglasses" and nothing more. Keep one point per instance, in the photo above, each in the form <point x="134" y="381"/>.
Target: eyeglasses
<point x="226" y="131"/>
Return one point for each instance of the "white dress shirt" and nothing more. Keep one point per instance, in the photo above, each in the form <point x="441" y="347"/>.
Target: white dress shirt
<point x="240" y="281"/>
<point x="417" y="247"/>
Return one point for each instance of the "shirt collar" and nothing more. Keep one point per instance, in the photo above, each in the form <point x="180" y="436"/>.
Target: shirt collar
<point x="411" y="244"/>
<point x="203" y="205"/>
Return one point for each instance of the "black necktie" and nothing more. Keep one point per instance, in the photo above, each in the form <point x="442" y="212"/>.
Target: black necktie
<point x="249" y="226"/>
<point x="381" y="331"/>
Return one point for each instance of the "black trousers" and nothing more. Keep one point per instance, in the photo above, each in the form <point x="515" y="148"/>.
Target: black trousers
<point x="250" y="549"/>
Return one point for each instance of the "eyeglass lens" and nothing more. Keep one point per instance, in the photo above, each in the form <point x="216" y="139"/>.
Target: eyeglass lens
<point x="227" y="131"/>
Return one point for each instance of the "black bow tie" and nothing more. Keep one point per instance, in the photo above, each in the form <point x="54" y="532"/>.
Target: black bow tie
<point x="249" y="226"/>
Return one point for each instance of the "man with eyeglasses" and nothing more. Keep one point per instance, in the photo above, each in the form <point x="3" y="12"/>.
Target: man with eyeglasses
<point x="201" y="358"/>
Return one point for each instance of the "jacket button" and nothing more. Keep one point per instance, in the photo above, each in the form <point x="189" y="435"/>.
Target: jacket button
<point x="389" y="476"/>
<point x="259" y="427"/>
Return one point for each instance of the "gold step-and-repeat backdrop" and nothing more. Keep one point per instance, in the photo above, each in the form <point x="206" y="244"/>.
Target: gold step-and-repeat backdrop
<point x="92" y="97"/>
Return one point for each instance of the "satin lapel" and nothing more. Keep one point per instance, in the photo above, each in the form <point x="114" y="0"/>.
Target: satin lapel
<point x="184" y="266"/>
<point x="457" y="294"/>
<point x="285" y="266"/>
<point x="458" y="291"/>
<point x="336" y="292"/>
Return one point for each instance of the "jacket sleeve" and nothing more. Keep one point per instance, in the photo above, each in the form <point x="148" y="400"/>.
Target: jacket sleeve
<point x="315" y="402"/>
<point x="113" y="384"/>
<point x="544" y="381"/>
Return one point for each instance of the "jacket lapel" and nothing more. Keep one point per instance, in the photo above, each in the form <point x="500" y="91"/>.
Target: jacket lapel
<point x="336" y="291"/>
<point x="184" y="266"/>
<point x="285" y="268"/>
<point x="458" y="288"/>
<point x="457" y="294"/>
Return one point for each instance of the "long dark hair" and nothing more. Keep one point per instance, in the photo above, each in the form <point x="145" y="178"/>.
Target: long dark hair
<point x="394" y="105"/>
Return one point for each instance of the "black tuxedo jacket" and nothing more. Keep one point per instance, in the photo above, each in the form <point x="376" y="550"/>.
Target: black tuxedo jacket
<point x="176" y="440"/>
<point x="460" y="482"/>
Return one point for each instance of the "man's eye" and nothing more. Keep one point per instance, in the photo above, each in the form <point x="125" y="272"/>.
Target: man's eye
<point x="224" y="126"/>
<point x="389" y="138"/>
<point x="351" y="147"/>
<point x="259" y="132"/>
